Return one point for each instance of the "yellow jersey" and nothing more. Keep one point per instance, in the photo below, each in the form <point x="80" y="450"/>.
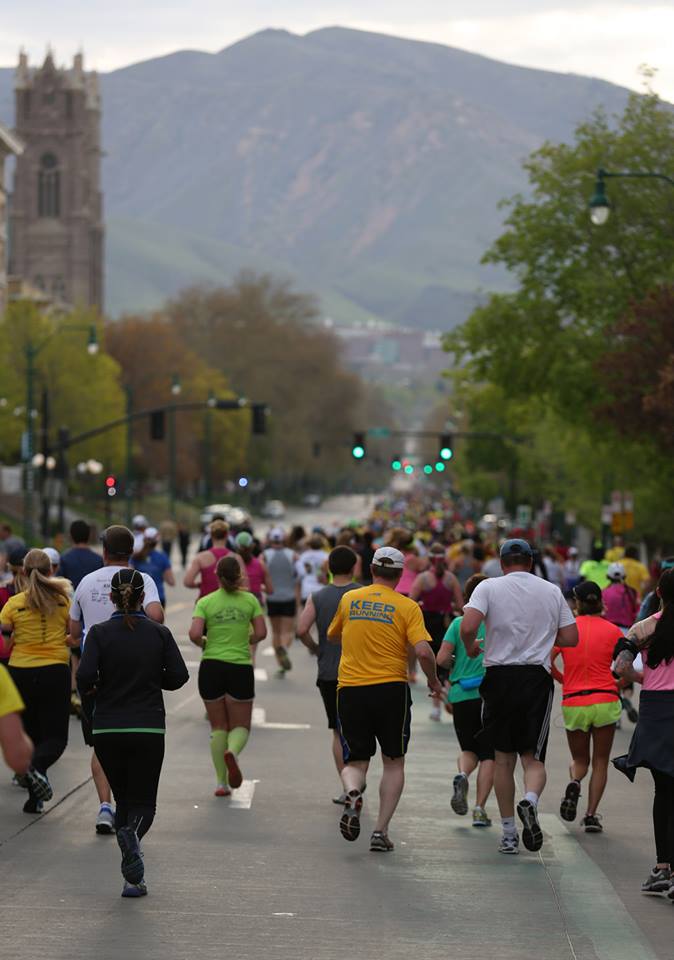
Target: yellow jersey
<point x="10" y="698"/>
<point x="376" y="625"/>
<point x="38" y="640"/>
<point x="636" y="575"/>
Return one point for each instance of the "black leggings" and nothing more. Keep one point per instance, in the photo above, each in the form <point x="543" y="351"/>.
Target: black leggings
<point x="663" y="817"/>
<point x="46" y="693"/>
<point x="132" y="763"/>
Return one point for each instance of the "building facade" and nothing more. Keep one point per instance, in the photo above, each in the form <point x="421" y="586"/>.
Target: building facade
<point x="56" y="216"/>
<point x="9" y="145"/>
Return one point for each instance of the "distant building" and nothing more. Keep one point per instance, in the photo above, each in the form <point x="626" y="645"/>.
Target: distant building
<point x="56" y="217"/>
<point x="376" y="351"/>
<point x="9" y="145"/>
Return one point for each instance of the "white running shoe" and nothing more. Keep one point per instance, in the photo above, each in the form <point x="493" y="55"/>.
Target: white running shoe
<point x="105" y="821"/>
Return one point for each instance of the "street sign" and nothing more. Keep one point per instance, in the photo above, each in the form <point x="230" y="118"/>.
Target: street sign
<point x="524" y="515"/>
<point x="379" y="432"/>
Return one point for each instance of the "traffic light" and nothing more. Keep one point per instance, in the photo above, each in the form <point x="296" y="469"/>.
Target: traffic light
<point x="111" y="485"/>
<point x="358" y="450"/>
<point x="428" y="469"/>
<point x="440" y="466"/>
<point x="446" y="452"/>
<point x="157" y="425"/>
<point x="259" y="419"/>
<point x="396" y="464"/>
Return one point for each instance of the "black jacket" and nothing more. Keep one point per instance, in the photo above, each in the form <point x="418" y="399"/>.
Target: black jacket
<point x="129" y="669"/>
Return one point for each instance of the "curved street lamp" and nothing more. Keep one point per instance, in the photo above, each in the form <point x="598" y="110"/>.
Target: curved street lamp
<point x="600" y="207"/>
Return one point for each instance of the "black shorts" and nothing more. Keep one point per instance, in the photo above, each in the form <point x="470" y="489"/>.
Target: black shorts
<point x="217" y="679"/>
<point x="378" y="713"/>
<point x="467" y="716"/>
<point x="436" y="623"/>
<point x="328" y="689"/>
<point x="517" y="707"/>
<point x="281" y="608"/>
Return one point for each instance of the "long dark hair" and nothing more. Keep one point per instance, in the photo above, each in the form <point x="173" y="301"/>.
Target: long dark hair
<point x="660" y="645"/>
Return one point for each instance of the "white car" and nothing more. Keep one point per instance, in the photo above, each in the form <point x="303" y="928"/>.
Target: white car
<point x="215" y="510"/>
<point x="274" y="510"/>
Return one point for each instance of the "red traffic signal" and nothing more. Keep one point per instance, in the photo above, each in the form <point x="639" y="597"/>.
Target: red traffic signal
<point x="110" y="482"/>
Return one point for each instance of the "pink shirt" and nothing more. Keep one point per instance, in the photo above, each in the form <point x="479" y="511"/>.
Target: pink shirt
<point x="255" y="572"/>
<point x="662" y="677"/>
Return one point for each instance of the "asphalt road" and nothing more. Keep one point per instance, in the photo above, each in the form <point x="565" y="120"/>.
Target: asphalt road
<point x="267" y="876"/>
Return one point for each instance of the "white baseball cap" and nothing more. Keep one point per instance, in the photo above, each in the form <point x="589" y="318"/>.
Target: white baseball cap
<point x="139" y="520"/>
<point x="53" y="554"/>
<point x="389" y="557"/>
<point x="615" y="571"/>
<point x="151" y="533"/>
<point x="277" y="535"/>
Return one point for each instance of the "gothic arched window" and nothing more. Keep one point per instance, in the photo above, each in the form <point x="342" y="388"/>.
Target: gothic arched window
<point x="49" y="187"/>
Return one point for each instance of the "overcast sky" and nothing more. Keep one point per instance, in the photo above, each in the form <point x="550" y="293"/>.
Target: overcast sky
<point x="604" y="39"/>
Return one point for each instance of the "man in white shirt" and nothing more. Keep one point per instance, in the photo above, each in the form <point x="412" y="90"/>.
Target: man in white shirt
<point x="524" y="617"/>
<point x="92" y="604"/>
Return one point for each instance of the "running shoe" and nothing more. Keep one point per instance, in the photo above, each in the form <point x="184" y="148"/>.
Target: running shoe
<point x="349" y="824"/>
<point x="436" y="713"/>
<point x="133" y="890"/>
<point x="532" y="835"/>
<point x="75" y="705"/>
<point x="380" y="843"/>
<point x="569" y="805"/>
<point x="658" y="883"/>
<point x="459" y="801"/>
<point x="37" y="783"/>
<point x="480" y="818"/>
<point x="133" y="869"/>
<point x="233" y="770"/>
<point x="283" y="659"/>
<point x="509" y="845"/>
<point x="341" y="799"/>
<point x="592" y="823"/>
<point x="105" y="821"/>
<point x="222" y="790"/>
<point x="33" y="805"/>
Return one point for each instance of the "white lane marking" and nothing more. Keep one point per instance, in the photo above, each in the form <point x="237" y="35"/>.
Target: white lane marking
<point x="242" y="799"/>
<point x="273" y="914"/>
<point x="268" y="652"/>
<point x="175" y="607"/>
<point x="183" y="703"/>
<point x="286" y="726"/>
<point x="261" y="674"/>
<point x="259" y="716"/>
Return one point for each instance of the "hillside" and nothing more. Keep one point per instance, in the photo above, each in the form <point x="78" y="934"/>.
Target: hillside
<point x="367" y="167"/>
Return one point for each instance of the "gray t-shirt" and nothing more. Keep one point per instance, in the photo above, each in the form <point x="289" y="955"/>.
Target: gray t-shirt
<point x="281" y="566"/>
<point x="326" y="602"/>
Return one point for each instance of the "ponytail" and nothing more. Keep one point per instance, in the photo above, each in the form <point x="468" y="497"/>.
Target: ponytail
<point x="660" y="645"/>
<point x="126" y="590"/>
<point x="44" y="593"/>
<point x="229" y="574"/>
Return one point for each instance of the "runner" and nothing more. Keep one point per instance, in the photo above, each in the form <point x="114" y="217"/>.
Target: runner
<point x="636" y="573"/>
<point x="15" y="744"/>
<point x="221" y="626"/>
<point x="524" y="615"/>
<point x="438" y="592"/>
<point x="595" y="568"/>
<point x="75" y="564"/>
<point x="376" y="626"/>
<point x="464" y="696"/>
<point x="35" y="625"/>
<point x="92" y="605"/>
<point x="590" y="703"/>
<point x="621" y="605"/>
<point x="201" y="573"/>
<point x="310" y="566"/>
<point x="282" y="601"/>
<point x="126" y="663"/>
<point x="652" y="743"/>
<point x="154" y="562"/>
<point x="259" y="581"/>
<point x="320" y="609"/>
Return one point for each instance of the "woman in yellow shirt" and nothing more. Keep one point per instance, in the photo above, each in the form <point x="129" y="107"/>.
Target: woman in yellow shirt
<point x="34" y="626"/>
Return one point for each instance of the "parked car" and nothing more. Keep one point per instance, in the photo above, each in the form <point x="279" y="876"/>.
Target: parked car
<point x="312" y="500"/>
<point x="274" y="510"/>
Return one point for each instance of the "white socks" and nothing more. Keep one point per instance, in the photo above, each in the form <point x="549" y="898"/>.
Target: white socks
<point x="509" y="828"/>
<point x="531" y="797"/>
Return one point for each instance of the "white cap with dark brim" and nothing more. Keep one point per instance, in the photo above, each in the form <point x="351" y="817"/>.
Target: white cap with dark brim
<point x="389" y="557"/>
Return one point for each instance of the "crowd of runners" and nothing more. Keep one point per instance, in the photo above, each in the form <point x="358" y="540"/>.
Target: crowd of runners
<point x="491" y="624"/>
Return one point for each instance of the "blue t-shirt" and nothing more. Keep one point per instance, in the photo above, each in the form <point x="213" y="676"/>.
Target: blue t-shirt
<point x="77" y="562"/>
<point x="155" y="564"/>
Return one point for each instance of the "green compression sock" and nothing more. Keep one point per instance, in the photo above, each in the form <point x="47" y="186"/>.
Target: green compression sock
<point x="238" y="738"/>
<point x="218" y="748"/>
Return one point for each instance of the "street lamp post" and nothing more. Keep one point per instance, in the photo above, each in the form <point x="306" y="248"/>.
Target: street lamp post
<point x="600" y="208"/>
<point x="176" y="389"/>
<point x="32" y="351"/>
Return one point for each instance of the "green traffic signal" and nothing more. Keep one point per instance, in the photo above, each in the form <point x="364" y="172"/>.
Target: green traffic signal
<point x="439" y="466"/>
<point x="358" y="452"/>
<point x="409" y="469"/>
<point x="428" y="469"/>
<point x="446" y="453"/>
<point x="396" y="465"/>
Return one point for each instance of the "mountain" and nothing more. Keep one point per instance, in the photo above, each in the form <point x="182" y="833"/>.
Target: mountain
<point x="366" y="167"/>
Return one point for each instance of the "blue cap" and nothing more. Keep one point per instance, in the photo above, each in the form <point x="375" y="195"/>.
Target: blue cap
<point x="516" y="548"/>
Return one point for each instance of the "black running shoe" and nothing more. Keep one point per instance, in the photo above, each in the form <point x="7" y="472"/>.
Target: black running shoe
<point x="592" y="823"/>
<point x="349" y="824"/>
<point x="532" y="835"/>
<point x="658" y="883"/>
<point x="380" y="843"/>
<point x="459" y="801"/>
<point x="33" y="805"/>
<point x="569" y="805"/>
<point x="133" y="869"/>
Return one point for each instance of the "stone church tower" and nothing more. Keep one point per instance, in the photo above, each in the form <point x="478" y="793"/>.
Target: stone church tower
<point x="56" y="219"/>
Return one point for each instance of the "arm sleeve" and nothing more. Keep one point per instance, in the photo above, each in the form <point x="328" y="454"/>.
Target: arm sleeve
<point x="480" y="598"/>
<point x="566" y="617"/>
<point x="416" y="628"/>
<point x="257" y="610"/>
<point x="200" y="608"/>
<point x="175" y="674"/>
<point x="87" y="672"/>
<point x="151" y="593"/>
<point x="337" y="625"/>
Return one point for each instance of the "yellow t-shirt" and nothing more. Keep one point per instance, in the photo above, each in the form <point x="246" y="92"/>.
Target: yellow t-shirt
<point x="376" y="625"/>
<point x="615" y="554"/>
<point x="39" y="640"/>
<point x="10" y="698"/>
<point x="636" y="574"/>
